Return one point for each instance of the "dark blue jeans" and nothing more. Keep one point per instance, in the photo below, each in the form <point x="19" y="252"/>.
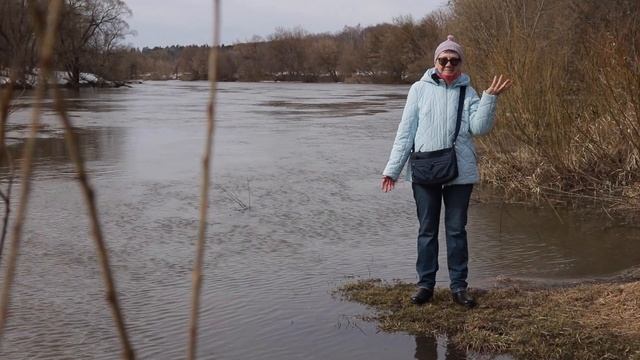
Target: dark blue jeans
<point x="456" y="203"/>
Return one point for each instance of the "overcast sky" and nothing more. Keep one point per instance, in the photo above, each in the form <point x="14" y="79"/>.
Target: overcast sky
<point x="184" y="22"/>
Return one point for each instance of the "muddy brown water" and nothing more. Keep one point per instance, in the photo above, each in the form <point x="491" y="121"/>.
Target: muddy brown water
<point x="296" y="210"/>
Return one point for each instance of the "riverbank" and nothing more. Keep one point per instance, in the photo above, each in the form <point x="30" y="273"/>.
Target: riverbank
<point x="596" y="320"/>
<point x="62" y="79"/>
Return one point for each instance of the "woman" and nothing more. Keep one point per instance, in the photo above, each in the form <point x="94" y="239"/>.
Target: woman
<point x="428" y="124"/>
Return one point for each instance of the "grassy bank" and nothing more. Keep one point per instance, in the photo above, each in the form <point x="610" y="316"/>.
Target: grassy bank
<point x="586" y="321"/>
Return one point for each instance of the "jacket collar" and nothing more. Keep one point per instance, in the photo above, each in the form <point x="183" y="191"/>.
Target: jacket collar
<point x="431" y="76"/>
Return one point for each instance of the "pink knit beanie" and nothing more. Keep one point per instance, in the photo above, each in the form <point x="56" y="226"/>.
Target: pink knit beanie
<point x="449" y="45"/>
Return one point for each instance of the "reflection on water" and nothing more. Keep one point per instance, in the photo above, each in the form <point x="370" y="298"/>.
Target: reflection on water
<point x="437" y="348"/>
<point x="440" y="348"/>
<point x="307" y="158"/>
<point x="50" y="153"/>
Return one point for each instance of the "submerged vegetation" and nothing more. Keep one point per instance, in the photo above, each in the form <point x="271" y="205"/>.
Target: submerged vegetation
<point x="588" y="321"/>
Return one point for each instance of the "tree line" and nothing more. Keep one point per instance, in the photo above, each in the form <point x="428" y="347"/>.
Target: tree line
<point x="93" y="34"/>
<point x="94" y="31"/>
<point x="385" y="53"/>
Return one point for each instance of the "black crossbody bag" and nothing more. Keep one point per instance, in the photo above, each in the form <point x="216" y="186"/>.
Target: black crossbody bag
<point x="440" y="166"/>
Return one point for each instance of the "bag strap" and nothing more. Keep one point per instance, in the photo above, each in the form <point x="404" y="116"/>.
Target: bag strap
<point x="463" y="90"/>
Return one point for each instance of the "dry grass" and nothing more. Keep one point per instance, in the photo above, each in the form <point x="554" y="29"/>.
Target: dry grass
<point x="525" y="176"/>
<point x="588" y="321"/>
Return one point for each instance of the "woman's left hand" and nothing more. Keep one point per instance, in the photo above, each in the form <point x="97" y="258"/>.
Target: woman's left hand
<point x="498" y="85"/>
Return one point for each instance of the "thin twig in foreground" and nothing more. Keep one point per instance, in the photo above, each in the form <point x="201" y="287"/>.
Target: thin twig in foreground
<point x="5" y="110"/>
<point x="46" y="57"/>
<point x="204" y="195"/>
<point x="96" y="230"/>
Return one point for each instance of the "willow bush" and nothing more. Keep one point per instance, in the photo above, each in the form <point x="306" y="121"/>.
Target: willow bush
<point x="570" y="126"/>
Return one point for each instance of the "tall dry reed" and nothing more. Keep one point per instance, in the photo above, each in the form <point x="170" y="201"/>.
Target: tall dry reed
<point x="96" y="229"/>
<point x="46" y="32"/>
<point x="46" y="29"/>
<point x="47" y="44"/>
<point x="5" y="109"/>
<point x="192" y="348"/>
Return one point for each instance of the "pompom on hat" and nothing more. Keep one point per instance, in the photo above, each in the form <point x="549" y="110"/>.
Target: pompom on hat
<point x="448" y="45"/>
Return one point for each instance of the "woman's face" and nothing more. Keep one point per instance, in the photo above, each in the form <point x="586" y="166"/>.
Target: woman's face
<point x="448" y="62"/>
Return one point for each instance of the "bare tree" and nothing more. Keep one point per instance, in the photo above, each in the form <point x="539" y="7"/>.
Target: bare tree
<point x="193" y="62"/>
<point x="386" y="48"/>
<point x="323" y="57"/>
<point x="227" y="64"/>
<point x="287" y="52"/>
<point x="353" y="55"/>
<point x="90" y="27"/>
<point x="251" y="60"/>
<point x="17" y="42"/>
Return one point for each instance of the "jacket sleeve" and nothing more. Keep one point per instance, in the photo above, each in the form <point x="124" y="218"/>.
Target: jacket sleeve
<point x="405" y="135"/>
<point x="481" y="113"/>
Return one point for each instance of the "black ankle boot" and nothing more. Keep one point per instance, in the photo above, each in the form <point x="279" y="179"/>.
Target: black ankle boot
<point x="463" y="298"/>
<point x="423" y="295"/>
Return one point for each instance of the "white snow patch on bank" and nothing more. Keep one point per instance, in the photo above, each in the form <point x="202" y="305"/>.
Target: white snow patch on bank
<point x="61" y="78"/>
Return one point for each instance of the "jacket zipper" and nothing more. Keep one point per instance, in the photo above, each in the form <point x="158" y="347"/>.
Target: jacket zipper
<point x="446" y="112"/>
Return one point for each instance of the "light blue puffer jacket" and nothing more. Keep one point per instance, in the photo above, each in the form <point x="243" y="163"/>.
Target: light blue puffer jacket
<point x="429" y="120"/>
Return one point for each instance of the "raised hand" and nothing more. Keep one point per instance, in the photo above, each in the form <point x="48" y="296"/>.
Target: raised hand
<point x="498" y="85"/>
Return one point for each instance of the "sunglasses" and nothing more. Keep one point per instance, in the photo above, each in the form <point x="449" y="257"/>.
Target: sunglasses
<point x="454" y="61"/>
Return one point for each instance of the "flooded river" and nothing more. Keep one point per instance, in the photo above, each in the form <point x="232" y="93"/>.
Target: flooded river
<point x="295" y="211"/>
